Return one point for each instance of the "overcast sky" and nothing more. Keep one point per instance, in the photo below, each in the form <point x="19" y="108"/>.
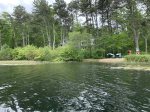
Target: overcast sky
<point x="7" y="5"/>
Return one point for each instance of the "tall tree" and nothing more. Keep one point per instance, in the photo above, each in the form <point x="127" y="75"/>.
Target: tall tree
<point x="43" y="13"/>
<point x="134" y="18"/>
<point x="19" y="15"/>
<point x="60" y="8"/>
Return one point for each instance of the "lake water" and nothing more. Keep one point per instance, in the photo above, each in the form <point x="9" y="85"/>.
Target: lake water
<point x="73" y="87"/>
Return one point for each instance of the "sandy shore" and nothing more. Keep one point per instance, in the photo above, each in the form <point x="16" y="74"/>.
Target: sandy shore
<point x="133" y="68"/>
<point x="107" y="60"/>
<point x="122" y="64"/>
<point x="24" y="62"/>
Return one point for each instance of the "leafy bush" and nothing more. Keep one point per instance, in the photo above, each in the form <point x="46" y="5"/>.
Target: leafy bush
<point x="25" y="53"/>
<point x="30" y="52"/>
<point x="68" y="53"/>
<point x="18" y="54"/>
<point x="43" y="54"/>
<point x="5" y="53"/>
<point x="138" y="58"/>
<point x="98" y="53"/>
<point x="65" y="53"/>
<point x="85" y="53"/>
<point x="93" y="53"/>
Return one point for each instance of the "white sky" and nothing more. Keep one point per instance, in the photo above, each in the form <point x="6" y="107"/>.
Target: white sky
<point x="7" y="5"/>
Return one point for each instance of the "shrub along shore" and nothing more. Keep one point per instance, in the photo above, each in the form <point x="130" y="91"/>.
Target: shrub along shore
<point x="65" y="53"/>
<point x="62" y="54"/>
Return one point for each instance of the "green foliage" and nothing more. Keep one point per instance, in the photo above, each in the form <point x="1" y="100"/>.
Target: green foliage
<point x="138" y="58"/>
<point x="78" y="39"/>
<point x="30" y="52"/>
<point x="85" y="53"/>
<point x="98" y="53"/>
<point x="58" y="24"/>
<point x="43" y="54"/>
<point x="116" y="42"/>
<point x="18" y="54"/>
<point x="69" y="53"/>
<point x="25" y="53"/>
<point x="5" y="53"/>
<point x="65" y="53"/>
<point x="93" y="53"/>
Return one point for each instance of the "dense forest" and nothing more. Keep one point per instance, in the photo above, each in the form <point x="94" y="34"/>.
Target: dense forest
<point x="114" y="26"/>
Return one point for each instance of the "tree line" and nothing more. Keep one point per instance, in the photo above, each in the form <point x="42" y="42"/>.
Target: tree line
<point x="108" y="25"/>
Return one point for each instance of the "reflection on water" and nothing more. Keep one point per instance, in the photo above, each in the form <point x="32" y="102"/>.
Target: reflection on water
<point x="73" y="87"/>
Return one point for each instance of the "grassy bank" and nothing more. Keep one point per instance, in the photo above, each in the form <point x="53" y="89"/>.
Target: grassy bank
<point x="138" y="58"/>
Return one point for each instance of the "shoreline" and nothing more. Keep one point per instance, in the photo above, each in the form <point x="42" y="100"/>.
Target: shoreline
<point x="120" y="61"/>
<point x="30" y="62"/>
<point x="123" y="64"/>
<point x="132" y="68"/>
<point x="106" y="60"/>
<point x="21" y="62"/>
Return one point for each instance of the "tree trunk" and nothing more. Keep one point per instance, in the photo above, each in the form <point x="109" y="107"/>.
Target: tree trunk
<point x="53" y="36"/>
<point x="43" y="38"/>
<point x="49" y="40"/>
<point x="16" y="44"/>
<point x="137" y="46"/>
<point x="96" y="22"/>
<point x="23" y="40"/>
<point x="62" y="37"/>
<point x="28" y="39"/>
<point x="146" y="45"/>
<point x="136" y="38"/>
<point x="87" y="22"/>
<point x="0" y="41"/>
<point x="47" y="32"/>
<point x="76" y="15"/>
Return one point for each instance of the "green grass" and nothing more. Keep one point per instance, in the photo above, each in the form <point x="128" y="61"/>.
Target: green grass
<point x="138" y="58"/>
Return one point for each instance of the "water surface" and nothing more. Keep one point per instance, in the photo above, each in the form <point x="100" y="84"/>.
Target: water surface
<point x="73" y="87"/>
